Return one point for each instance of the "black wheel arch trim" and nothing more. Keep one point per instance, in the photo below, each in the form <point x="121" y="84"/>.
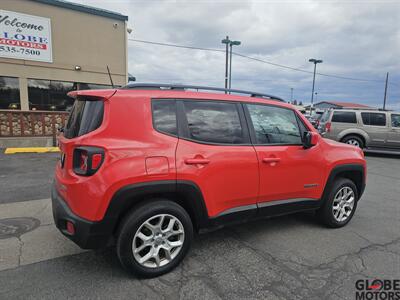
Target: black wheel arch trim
<point x="189" y="197"/>
<point x="355" y="172"/>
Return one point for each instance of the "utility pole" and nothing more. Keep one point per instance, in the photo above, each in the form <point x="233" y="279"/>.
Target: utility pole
<point x="291" y="95"/>
<point x="226" y="41"/>
<point x="315" y="62"/>
<point x="384" y="97"/>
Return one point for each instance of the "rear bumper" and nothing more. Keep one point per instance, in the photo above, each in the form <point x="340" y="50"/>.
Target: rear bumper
<point x="88" y="235"/>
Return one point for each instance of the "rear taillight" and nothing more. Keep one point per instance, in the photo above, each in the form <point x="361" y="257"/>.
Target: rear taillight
<point x="328" y="127"/>
<point x="87" y="160"/>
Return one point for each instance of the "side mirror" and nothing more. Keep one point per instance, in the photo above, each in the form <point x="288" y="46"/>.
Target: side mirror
<point x="310" y="139"/>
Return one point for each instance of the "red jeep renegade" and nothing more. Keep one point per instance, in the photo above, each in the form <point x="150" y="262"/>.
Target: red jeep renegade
<point x="145" y="166"/>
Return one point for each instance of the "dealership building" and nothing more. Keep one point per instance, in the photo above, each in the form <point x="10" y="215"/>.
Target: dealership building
<point x="48" y="48"/>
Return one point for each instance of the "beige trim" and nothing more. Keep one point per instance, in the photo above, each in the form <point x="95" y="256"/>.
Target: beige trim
<point x="23" y="93"/>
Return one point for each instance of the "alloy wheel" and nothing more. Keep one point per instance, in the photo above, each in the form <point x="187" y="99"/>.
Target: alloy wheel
<point x="353" y="142"/>
<point x="158" y="241"/>
<point x="343" y="204"/>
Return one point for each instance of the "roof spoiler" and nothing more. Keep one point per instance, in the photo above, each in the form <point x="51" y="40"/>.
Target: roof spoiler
<point x="92" y="94"/>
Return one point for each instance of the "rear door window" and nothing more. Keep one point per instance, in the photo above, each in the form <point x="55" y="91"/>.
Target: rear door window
<point x="85" y="117"/>
<point x="344" y="117"/>
<point x="374" y="119"/>
<point x="214" y="122"/>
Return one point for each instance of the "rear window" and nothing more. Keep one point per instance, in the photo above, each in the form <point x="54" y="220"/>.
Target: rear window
<point x="344" y="117"/>
<point x="375" y="119"/>
<point x="85" y="117"/>
<point x="325" y="116"/>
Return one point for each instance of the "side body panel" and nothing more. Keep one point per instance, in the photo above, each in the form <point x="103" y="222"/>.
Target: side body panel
<point x="229" y="180"/>
<point x="393" y="139"/>
<point x="134" y="153"/>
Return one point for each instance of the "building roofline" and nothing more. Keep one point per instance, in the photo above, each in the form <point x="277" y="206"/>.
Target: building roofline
<point x="84" y="8"/>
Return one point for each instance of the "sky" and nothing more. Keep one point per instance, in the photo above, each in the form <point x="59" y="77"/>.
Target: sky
<point x="355" y="39"/>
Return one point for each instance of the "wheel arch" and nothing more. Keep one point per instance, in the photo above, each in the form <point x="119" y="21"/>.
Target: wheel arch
<point x="185" y="193"/>
<point x="354" y="172"/>
<point x="359" y="133"/>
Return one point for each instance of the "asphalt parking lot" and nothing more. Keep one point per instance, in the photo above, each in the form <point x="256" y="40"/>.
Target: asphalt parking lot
<point x="291" y="257"/>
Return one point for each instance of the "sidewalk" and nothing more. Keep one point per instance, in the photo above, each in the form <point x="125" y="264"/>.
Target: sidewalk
<point x="42" y="243"/>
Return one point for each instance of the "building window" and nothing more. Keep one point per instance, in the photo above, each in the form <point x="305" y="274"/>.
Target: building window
<point x="93" y="86"/>
<point x="50" y="94"/>
<point x="9" y="93"/>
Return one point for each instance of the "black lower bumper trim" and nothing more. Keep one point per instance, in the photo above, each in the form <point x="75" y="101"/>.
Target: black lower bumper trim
<point x="88" y="235"/>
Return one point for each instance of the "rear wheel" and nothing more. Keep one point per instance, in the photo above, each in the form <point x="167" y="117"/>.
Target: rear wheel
<point x="154" y="238"/>
<point x="354" y="140"/>
<point x="340" y="205"/>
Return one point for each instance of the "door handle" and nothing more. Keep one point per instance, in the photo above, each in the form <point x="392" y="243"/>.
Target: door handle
<point x="197" y="161"/>
<point x="269" y="160"/>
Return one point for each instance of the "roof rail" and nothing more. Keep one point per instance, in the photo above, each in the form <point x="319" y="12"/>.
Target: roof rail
<point x="166" y="86"/>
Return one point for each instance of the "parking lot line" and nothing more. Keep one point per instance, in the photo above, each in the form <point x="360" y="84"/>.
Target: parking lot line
<point x="31" y="150"/>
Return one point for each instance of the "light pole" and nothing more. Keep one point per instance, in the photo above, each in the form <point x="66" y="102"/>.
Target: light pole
<point x="315" y="62"/>
<point x="232" y="43"/>
<point x="384" y="97"/>
<point x="226" y="41"/>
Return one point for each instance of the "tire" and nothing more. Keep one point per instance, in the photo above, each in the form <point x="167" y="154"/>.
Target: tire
<point x="330" y="216"/>
<point x="354" y="140"/>
<point x="140" y="231"/>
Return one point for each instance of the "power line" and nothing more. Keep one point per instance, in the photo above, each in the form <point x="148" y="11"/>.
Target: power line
<point x="176" y="46"/>
<point x="256" y="59"/>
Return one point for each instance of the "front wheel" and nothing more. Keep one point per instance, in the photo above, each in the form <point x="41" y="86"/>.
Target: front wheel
<point x="154" y="238"/>
<point x="340" y="205"/>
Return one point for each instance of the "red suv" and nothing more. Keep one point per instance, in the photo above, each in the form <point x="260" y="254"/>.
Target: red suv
<point x="145" y="166"/>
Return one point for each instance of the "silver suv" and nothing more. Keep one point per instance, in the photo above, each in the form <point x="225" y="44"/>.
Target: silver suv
<point x="362" y="128"/>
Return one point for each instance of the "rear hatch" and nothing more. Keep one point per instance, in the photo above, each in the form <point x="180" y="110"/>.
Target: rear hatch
<point x="87" y="115"/>
<point x="87" y="112"/>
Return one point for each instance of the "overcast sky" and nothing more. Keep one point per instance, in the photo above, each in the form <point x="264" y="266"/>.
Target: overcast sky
<point x="358" y="39"/>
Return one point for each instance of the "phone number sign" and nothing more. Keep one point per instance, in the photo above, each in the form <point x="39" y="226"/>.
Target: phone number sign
<point x="25" y="37"/>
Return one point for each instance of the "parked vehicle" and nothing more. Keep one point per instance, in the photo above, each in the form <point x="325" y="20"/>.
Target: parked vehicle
<point x="314" y="119"/>
<point x="145" y="166"/>
<point x="373" y="129"/>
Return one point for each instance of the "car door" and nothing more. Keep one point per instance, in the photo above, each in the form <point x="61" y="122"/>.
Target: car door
<point x="375" y="125"/>
<point x="393" y="139"/>
<point x="289" y="173"/>
<point x="215" y="153"/>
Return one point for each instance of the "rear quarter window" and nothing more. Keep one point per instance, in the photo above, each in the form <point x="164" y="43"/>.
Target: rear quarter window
<point x="344" y="117"/>
<point x="164" y="116"/>
<point x="374" y="119"/>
